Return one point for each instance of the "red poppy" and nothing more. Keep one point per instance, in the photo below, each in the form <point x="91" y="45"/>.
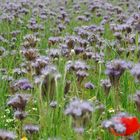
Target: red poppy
<point x="130" y="123"/>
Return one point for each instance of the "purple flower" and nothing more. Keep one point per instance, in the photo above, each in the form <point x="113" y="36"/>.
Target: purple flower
<point x="7" y="135"/>
<point x="18" y="101"/>
<point x="31" y="129"/>
<point x="106" y="85"/>
<point x="137" y="100"/>
<point x="22" y="84"/>
<point x="81" y="112"/>
<point x="89" y="85"/>
<point x="115" y="69"/>
<point x="78" y="108"/>
<point x="136" y="72"/>
<point x="30" y="41"/>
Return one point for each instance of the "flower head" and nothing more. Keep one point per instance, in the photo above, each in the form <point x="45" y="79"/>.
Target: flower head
<point x="49" y="81"/>
<point x="21" y="84"/>
<point x="115" y="69"/>
<point x="137" y="100"/>
<point x="2" y="50"/>
<point x="30" y="54"/>
<point x="106" y="85"/>
<point x="136" y="72"/>
<point x="122" y="125"/>
<point x="20" y="115"/>
<point x="78" y="108"/>
<point x="19" y="101"/>
<point x="81" y="112"/>
<point x="40" y="63"/>
<point x="30" y="129"/>
<point x="7" y="135"/>
<point x="30" y="41"/>
<point x="89" y="85"/>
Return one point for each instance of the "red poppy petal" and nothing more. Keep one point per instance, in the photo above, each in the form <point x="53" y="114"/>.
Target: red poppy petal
<point x="131" y="123"/>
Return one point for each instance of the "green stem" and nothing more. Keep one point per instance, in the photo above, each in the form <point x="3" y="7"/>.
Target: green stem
<point x="117" y="99"/>
<point x="20" y="129"/>
<point x="40" y="106"/>
<point x="31" y="136"/>
<point x="115" y="137"/>
<point x="79" y="137"/>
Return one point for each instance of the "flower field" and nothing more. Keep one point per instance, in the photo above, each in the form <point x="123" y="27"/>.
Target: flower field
<point x="69" y="70"/>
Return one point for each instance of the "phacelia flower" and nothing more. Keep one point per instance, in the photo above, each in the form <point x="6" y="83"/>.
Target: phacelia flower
<point x="137" y="100"/>
<point x="115" y="69"/>
<point x="20" y="115"/>
<point x="31" y="129"/>
<point x="49" y="80"/>
<point x="106" y="85"/>
<point x="136" y="72"/>
<point x="30" y="54"/>
<point x="40" y="63"/>
<point x="18" y="101"/>
<point x="89" y="85"/>
<point x="7" y="135"/>
<point x="30" y="41"/>
<point x="81" y="112"/>
<point x="21" y="84"/>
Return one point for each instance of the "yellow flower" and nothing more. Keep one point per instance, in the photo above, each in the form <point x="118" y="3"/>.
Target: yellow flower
<point x="111" y="110"/>
<point x="24" y="138"/>
<point x="93" y="98"/>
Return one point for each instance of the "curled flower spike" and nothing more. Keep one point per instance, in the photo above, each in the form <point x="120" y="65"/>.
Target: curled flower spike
<point x="20" y="115"/>
<point x="19" y="71"/>
<point x="89" y="85"/>
<point x="7" y="135"/>
<point x="122" y="125"/>
<point x="137" y="100"/>
<point x="136" y="72"/>
<point x="106" y="85"/>
<point x="40" y="63"/>
<point x="31" y="129"/>
<point x="49" y="80"/>
<point x="54" y="40"/>
<point x="77" y="108"/>
<point x="19" y="101"/>
<point x="77" y="65"/>
<point x="81" y="75"/>
<point x="30" y="54"/>
<point x="70" y="41"/>
<point x="30" y="41"/>
<point x="115" y="69"/>
<point x="81" y="112"/>
<point x="54" y="53"/>
<point x="21" y="84"/>
<point x="2" y="50"/>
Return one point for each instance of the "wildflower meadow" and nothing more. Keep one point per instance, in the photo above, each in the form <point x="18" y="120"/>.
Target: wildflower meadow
<point x="69" y="70"/>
